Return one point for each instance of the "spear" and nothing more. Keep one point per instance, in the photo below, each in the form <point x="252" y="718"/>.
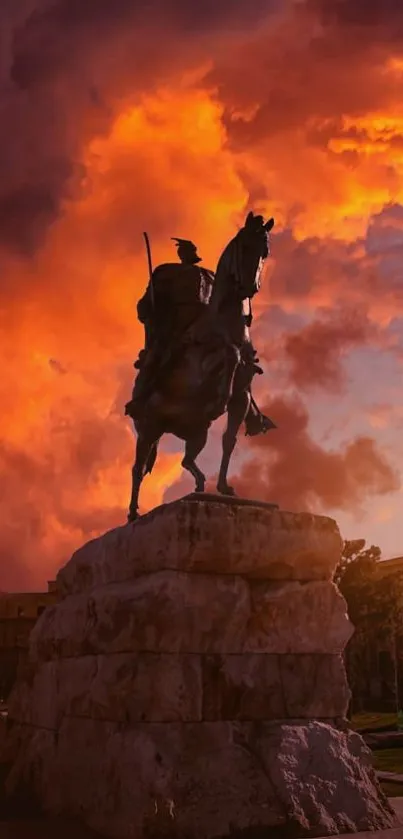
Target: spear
<point x="150" y="267"/>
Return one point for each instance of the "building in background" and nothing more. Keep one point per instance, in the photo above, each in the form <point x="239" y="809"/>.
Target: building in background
<point x="374" y="655"/>
<point x="390" y="566"/>
<point x="18" y="616"/>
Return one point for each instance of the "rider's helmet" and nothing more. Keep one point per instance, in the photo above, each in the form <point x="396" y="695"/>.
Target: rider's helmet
<point x="187" y="251"/>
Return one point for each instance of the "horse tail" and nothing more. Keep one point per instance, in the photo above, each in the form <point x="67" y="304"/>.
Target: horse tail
<point x="151" y="459"/>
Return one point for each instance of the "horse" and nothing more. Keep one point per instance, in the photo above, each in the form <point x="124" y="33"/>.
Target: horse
<point x="191" y="394"/>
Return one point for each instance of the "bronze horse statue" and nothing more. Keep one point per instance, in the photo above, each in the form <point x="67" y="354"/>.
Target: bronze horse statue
<point x="210" y="370"/>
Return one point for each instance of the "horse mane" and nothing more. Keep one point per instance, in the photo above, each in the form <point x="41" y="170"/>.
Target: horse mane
<point x="227" y="266"/>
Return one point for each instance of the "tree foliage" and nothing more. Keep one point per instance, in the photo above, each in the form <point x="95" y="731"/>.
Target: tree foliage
<point x="375" y="607"/>
<point x="355" y="576"/>
<point x="369" y="595"/>
<point x="356" y="563"/>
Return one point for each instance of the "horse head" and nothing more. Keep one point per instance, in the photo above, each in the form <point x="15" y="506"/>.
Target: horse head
<point x="252" y="247"/>
<point x="239" y="267"/>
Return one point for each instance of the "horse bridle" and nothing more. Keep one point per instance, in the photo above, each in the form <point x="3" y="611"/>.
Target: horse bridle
<point x="237" y="270"/>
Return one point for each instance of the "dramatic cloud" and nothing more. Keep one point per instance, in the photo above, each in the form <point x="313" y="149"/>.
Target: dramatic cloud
<point x="362" y="276"/>
<point x="71" y="68"/>
<point x="292" y="470"/>
<point x="65" y="492"/>
<point x="174" y="117"/>
<point x="377" y="19"/>
<point x="315" y="353"/>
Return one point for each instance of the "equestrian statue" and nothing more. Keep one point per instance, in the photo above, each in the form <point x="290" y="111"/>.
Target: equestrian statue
<point x="198" y="360"/>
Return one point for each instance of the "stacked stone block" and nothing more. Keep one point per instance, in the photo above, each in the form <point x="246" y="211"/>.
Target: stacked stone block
<point x="192" y="677"/>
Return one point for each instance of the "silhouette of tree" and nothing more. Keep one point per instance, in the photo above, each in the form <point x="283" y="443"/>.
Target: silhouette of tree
<point x="375" y="604"/>
<point x="355" y="575"/>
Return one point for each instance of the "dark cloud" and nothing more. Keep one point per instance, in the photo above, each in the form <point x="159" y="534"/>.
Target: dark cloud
<point x="307" y="74"/>
<point x="68" y="66"/>
<point x="379" y="15"/>
<point x="385" y="231"/>
<point x="52" y="38"/>
<point x="288" y="467"/>
<point x="24" y="213"/>
<point x="71" y="65"/>
<point x="362" y="275"/>
<point x="73" y="16"/>
<point x="316" y="352"/>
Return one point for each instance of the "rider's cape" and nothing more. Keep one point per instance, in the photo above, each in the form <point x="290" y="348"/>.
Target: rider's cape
<point x="175" y="298"/>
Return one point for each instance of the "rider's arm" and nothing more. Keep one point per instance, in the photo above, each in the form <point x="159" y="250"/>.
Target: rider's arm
<point x="144" y="306"/>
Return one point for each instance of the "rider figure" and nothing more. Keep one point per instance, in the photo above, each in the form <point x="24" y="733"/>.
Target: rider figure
<point x="158" y="326"/>
<point x="160" y="337"/>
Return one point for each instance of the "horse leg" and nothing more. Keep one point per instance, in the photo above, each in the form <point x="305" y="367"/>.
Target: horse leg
<point x="237" y="409"/>
<point x="145" y="456"/>
<point x="193" y="447"/>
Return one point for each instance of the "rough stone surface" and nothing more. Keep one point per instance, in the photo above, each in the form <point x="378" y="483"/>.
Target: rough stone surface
<point x="314" y="686"/>
<point x="130" y="687"/>
<point x="270" y="687"/>
<point x="295" y="778"/>
<point x="45" y="828"/>
<point x="206" y="537"/>
<point x="187" y="613"/>
<point x="126" y="688"/>
<point x="155" y="698"/>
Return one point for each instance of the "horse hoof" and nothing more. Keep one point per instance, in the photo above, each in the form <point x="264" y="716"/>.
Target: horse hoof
<point x="132" y="516"/>
<point x="225" y="489"/>
<point x="199" y="487"/>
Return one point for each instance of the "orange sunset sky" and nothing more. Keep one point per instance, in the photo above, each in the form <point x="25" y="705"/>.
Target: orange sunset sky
<point x="118" y="116"/>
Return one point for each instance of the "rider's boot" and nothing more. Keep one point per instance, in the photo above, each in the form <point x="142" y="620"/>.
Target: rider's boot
<point x="142" y="386"/>
<point x="256" y="422"/>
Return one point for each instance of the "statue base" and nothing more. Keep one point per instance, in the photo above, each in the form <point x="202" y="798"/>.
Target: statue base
<point x="232" y="500"/>
<point x="191" y="683"/>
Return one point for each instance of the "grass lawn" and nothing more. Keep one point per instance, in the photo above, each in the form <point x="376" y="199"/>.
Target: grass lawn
<point x="392" y="790"/>
<point x="367" y="719"/>
<point x="389" y="760"/>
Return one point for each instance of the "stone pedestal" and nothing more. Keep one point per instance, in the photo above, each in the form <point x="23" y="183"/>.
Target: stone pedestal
<point x="190" y="683"/>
